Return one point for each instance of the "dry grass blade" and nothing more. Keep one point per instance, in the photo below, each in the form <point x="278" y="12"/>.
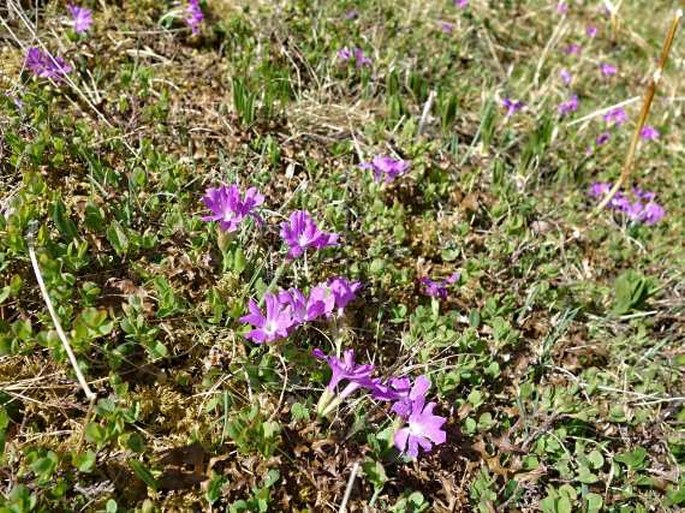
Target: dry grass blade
<point x="63" y="337"/>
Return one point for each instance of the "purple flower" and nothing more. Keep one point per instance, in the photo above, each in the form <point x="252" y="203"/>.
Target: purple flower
<point x="438" y="288"/>
<point x="423" y="429"/>
<point x="229" y="208"/>
<point x="512" y="106"/>
<point x="346" y="54"/>
<point x="591" y="31"/>
<point x="301" y="233"/>
<point x="461" y="3"/>
<point x="194" y="16"/>
<point x="352" y="14"/>
<point x="82" y="18"/>
<point x="406" y="395"/>
<point x="446" y="27"/>
<point x="44" y="65"/>
<point x="321" y="302"/>
<point x="396" y="389"/>
<point x="356" y="375"/>
<point x="652" y="213"/>
<point x="616" y="116"/>
<point x="607" y="69"/>
<point x="386" y="168"/>
<point x="297" y="303"/>
<point x="565" y="76"/>
<point x="360" y="58"/>
<point x="272" y="326"/>
<point x="343" y="291"/>
<point x="649" y="133"/>
<point x="602" y="138"/>
<point x="568" y="106"/>
<point x="562" y="8"/>
<point x="573" y="49"/>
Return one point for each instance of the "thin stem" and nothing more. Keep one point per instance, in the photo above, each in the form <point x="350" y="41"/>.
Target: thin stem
<point x="60" y="332"/>
<point x="348" y="489"/>
<point x="644" y="113"/>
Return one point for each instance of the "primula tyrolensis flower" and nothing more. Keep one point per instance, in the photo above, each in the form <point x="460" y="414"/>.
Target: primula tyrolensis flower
<point x="568" y="106"/>
<point x="194" y="16"/>
<point x="44" y="65"/>
<point x="346" y="54"/>
<point x="649" y="133"/>
<point x="82" y="18"/>
<point x="616" y="116"/>
<point x="607" y="69"/>
<point x="301" y="233"/>
<point x="229" y="208"/>
<point x="423" y="429"/>
<point x="512" y="106"/>
<point x="602" y="138"/>
<point x="343" y="291"/>
<point x="386" y="168"/>
<point x="438" y="288"/>
<point x="346" y="369"/>
<point x="573" y="49"/>
<point x="272" y="325"/>
<point x="566" y="77"/>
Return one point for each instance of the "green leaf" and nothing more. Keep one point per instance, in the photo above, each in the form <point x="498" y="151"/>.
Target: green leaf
<point x="631" y="291"/>
<point x="375" y="472"/>
<point x="564" y="505"/>
<point x="634" y="459"/>
<point x="585" y="476"/>
<point x="84" y="461"/>
<point x="117" y="238"/>
<point x="595" y="459"/>
<point x="65" y="225"/>
<point x="143" y="473"/>
<point x="111" y="506"/>
<point x="95" y="434"/>
<point x="593" y="502"/>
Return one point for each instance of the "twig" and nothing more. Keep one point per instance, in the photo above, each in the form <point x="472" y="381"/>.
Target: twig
<point x="646" y="105"/>
<point x="424" y="114"/>
<point x="62" y="336"/>
<point x="348" y="488"/>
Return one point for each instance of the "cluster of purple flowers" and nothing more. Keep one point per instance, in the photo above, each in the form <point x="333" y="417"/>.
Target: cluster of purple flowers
<point x="288" y="309"/>
<point x="386" y="168"/>
<point x="419" y="427"/>
<point x="44" y="65"/>
<point x="229" y="207"/>
<point x="438" y="288"/>
<point x="613" y="118"/>
<point x="357" y="54"/>
<point x="640" y="206"/>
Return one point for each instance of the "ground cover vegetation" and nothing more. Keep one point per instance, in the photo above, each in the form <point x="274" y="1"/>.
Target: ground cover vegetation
<point x="341" y="256"/>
